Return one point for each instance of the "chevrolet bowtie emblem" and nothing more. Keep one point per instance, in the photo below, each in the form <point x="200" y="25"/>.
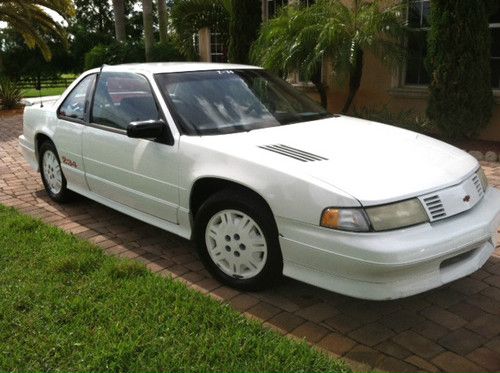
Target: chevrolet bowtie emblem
<point x="466" y="198"/>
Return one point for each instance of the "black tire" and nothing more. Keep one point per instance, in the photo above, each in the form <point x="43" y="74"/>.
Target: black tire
<point x="251" y="206"/>
<point x="64" y="194"/>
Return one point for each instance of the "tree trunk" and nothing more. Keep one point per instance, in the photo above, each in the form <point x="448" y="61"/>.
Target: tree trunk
<point x="321" y="88"/>
<point x="147" y="16"/>
<point x="354" y="79"/>
<point x="163" y="20"/>
<point x="119" y="11"/>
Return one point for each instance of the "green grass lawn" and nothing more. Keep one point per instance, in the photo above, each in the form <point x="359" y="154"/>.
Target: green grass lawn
<point x="44" y="92"/>
<point x="66" y="306"/>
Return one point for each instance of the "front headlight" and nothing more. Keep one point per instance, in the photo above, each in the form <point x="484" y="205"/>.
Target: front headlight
<point x="482" y="178"/>
<point x="397" y="215"/>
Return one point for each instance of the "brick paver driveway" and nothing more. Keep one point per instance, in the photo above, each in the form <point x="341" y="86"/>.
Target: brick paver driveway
<point x="455" y="328"/>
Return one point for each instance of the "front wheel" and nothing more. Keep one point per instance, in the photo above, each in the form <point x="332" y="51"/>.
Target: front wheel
<point x="238" y="240"/>
<point x="52" y="175"/>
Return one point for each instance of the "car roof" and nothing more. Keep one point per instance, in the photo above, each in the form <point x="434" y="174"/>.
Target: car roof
<point x="171" y="67"/>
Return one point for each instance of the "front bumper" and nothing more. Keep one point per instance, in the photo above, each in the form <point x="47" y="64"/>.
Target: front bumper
<point x="395" y="264"/>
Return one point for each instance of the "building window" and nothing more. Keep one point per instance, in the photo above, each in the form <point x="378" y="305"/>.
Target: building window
<point x="418" y="21"/>
<point x="217" y="53"/>
<point x="495" y="50"/>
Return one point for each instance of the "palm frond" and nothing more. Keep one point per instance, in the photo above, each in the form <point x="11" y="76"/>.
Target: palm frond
<point x="301" y="38"/>
<point x="29" y="18"/>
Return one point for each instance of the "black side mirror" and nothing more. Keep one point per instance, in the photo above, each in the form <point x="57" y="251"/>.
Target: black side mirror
<point x="146" y="129"/>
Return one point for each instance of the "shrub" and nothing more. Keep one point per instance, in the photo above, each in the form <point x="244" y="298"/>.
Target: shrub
<point x="165" y="52"/>
<point x="407" y="119"/>
<point x="10" y="94"/>
<point x="95" y="57"/>
<point x="461" y="98"/>
<point x="113" y="54"/>
<point x="117" y="53"/>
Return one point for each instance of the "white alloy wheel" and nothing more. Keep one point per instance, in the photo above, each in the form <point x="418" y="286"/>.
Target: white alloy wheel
<point x="236" y="244"/>
<point x="52" y="172"/>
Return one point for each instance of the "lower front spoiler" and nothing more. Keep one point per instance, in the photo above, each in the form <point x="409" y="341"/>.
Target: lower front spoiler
<point x="418" y="280"/>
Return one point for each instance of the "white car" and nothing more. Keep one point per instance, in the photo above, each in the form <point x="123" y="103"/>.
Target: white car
<point x="266" y="181"/>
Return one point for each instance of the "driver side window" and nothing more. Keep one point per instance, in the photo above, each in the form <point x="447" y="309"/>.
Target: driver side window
<point x="74" y="106"/>
<point x="121" y="98"/>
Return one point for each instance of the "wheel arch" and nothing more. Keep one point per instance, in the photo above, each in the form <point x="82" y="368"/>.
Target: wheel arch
<point x="40" y="138"/>
<point x="205" y="187"/>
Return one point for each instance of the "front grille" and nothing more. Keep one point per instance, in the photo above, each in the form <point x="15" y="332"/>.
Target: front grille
<point x="294" y="153"/>
<point x="477" y="184"/>
<point x="435" y="207"/>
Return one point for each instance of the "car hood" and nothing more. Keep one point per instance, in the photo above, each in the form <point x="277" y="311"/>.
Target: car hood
<point x="373" y="162"/>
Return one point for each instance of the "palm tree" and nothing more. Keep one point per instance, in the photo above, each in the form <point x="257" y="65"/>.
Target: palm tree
<point x="119" y="13"/>
<point x="29" y="18"/>
<point x="163" y="20"/>
<point x="147" y="17"/>
<point x="302" y="39"/>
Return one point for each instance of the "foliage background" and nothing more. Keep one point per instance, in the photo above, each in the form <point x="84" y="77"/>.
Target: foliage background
<point x="461" y="97"/>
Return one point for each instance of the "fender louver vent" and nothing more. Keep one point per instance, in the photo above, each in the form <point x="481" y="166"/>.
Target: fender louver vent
<point x="435" y="207"/>
<point x="294" y="153"/>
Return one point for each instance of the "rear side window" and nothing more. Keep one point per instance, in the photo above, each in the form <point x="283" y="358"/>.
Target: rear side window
<point x="75" y="105"/>
<point x="121" y="98"/>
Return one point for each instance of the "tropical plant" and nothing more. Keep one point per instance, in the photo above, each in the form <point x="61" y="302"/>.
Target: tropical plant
<point x="461" y="98"/>
<point x="29" y="18"/>
<point x="10" y="94"/>
<point x="245" y="20"/>
<point x="190" y="16"/>
<point x="302" y="39"/>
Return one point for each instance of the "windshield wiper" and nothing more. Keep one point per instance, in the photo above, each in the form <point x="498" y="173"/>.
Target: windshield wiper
<point x="302" y="117"/>
<point x="316" y="115"/>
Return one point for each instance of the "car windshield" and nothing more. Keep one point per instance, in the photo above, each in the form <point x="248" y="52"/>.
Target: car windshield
<point x="228" y="101"/>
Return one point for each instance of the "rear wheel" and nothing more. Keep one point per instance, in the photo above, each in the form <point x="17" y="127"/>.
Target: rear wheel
<point x="238" y="241"/>
<point x="52" y="175"/>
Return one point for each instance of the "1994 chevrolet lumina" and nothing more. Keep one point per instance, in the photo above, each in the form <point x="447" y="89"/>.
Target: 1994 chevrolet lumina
<point x="265" y="180"/>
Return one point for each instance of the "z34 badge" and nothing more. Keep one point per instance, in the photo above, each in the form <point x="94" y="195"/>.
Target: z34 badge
<point x="69" y="162"/>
